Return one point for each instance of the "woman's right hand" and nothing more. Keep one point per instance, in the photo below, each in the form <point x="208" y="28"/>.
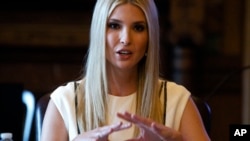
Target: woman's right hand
<point x="102" y="133"/>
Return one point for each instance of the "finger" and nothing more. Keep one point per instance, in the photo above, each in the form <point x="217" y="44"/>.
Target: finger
<point x="102" y="133"/>
<point x="100" y="136"/>
<point x="145" y="124"/>
<point x="149" y="125"/>
<point x="114" y="127"/>
<point x="126" y="116"/>
<point x="140" y="121"/>
<point x="122" y="126"/>
<point x="105" y="130"/>
<point x="159" y="127"/>
<point x="165" y="133"/>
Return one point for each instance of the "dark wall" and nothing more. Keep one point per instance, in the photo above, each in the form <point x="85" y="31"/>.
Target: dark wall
<point x="43" y="45"/>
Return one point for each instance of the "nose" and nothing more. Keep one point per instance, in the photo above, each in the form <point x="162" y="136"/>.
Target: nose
<point x="125" y="37"/>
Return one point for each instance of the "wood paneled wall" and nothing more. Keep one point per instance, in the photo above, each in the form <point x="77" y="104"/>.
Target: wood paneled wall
<point x="43" y="49"/>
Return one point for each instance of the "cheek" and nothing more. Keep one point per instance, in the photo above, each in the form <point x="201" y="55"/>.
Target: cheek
<point x="143" y="44"/>
<point x="110" y="45"/>
<point x="110" y="40"/>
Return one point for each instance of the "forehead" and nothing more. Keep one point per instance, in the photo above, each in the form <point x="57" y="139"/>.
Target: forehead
<point x="128" y="11"/>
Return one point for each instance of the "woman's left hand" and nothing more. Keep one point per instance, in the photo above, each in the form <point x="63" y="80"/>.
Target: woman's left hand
<point x="150" y="130"/>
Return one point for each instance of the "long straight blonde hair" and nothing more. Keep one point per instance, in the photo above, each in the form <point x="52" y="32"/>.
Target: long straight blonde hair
<point x="92" y="94"/>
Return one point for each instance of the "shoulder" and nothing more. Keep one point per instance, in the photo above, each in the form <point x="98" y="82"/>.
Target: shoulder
<point x="177" y="88"/>
<point x="63" y="90"/>
<point x="174" y="88"/>
<point x="64" y="93"/>
<point x="176" y="94"/>
<point x="68" y="87"/>
<point x="64" y="99"/>
<point x="177" y="99"/>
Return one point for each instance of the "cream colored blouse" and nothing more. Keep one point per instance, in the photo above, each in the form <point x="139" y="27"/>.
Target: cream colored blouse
<point x="64" y="99"/>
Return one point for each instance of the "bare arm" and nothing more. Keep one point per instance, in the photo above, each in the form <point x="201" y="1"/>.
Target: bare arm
<point x="191" y="126"/>
<point x="53" y="128"/>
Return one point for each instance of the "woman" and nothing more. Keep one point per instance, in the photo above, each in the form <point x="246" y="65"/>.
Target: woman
<point x="121" y="96"/>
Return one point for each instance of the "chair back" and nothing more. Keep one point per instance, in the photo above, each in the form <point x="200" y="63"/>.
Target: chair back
<point x="17" y="107"/>
<point x="205" y="112"/>
<point x="41" y="107"/>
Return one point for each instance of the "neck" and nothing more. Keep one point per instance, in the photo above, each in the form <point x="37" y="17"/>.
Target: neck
<point x="122" y="83"/>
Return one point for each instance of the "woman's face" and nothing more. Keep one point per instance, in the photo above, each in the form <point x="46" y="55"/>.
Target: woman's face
<point x="127" y="37"/>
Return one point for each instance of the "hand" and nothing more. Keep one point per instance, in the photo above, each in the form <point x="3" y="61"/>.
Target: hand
<point x="102" y="133"/>
<point x="150" y="130"/>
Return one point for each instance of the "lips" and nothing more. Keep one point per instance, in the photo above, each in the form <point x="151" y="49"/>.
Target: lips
<point x="125" y="52"/>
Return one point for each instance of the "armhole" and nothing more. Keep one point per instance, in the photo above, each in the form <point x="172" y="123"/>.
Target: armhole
<point x="76" y="103"/>
<point x="164" y="89"/>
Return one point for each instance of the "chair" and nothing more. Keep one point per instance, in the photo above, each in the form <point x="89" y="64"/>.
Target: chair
<point x="41" y="106"/>
<point x="17" y="107"/>
<point x="205" y="112"/>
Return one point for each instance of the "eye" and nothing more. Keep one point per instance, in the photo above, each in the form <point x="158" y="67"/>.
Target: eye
<point x="139" y="27"/>
<point x="114" y="25"/>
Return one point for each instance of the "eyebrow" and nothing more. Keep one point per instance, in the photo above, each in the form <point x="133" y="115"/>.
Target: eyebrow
<point x="119" y="21"/>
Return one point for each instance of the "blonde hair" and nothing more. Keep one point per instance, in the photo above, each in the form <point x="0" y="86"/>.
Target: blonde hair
<point x="93" y="95"/>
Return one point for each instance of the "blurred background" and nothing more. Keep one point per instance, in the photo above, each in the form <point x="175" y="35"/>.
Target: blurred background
<point x="204" y="46"/>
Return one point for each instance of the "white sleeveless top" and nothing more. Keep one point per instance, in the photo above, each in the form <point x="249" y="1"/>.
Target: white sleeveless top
<point x="64" y="99"/>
